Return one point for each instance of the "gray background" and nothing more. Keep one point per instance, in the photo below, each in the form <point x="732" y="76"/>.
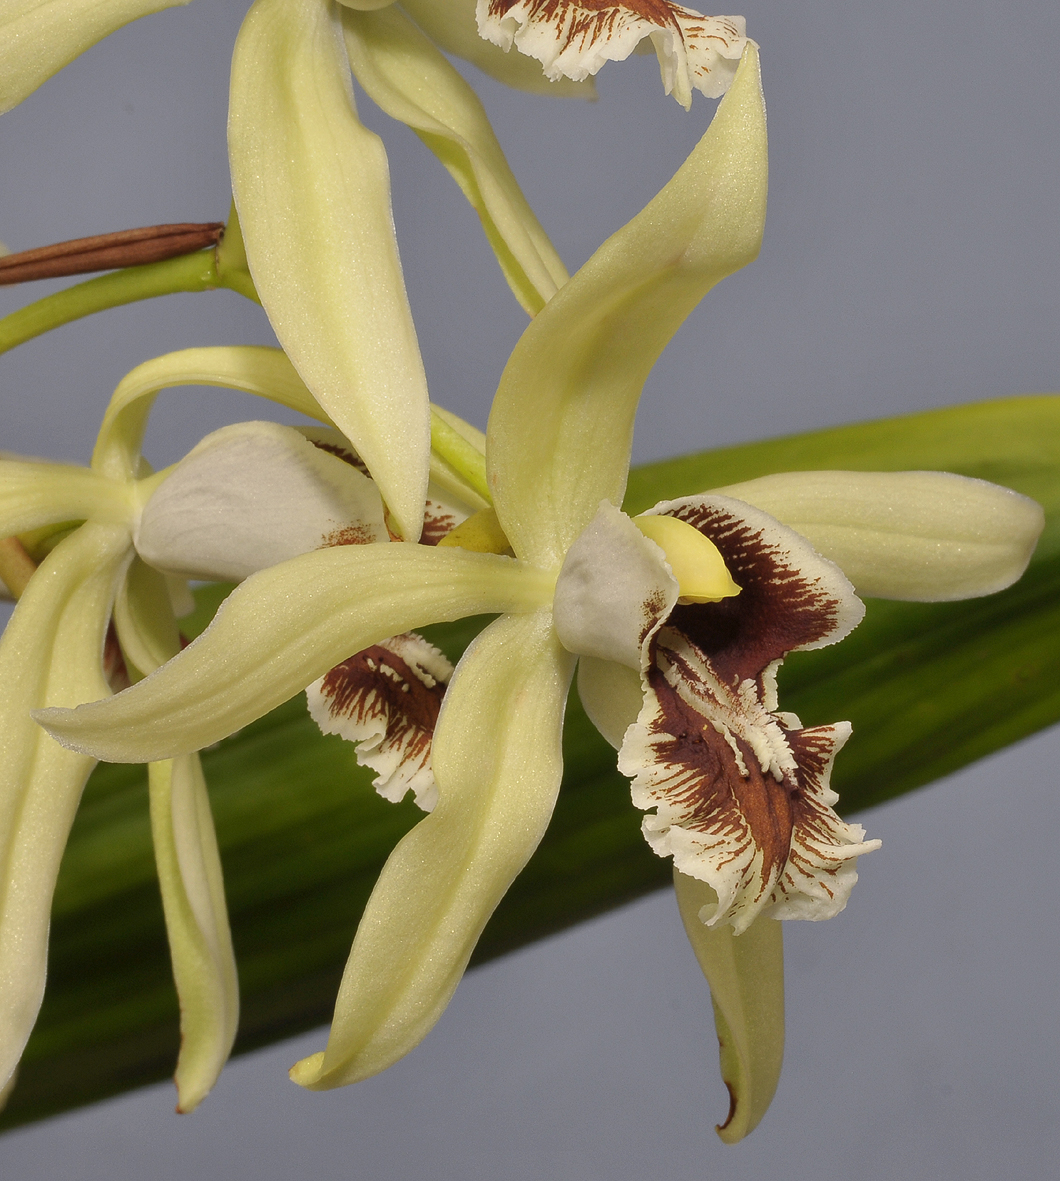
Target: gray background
<point x="910" y="260"/>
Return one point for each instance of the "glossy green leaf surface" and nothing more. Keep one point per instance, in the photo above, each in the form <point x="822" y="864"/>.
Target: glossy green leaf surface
<point x="928" y="687"/>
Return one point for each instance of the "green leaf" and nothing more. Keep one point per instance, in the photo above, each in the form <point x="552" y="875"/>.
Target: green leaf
<point x="929" y="688"/>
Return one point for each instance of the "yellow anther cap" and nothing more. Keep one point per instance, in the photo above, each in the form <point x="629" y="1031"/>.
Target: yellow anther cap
<point x="700" y="570"/>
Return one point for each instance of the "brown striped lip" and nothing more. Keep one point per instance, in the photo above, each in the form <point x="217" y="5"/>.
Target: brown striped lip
<point x="386" y="700"/>
<point x="106" y="252"/>
<point x="573" y="38"/>
<point x="737" y="791"/>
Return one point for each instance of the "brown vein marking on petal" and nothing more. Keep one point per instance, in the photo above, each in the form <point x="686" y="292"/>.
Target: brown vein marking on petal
<point x="380" y="691"/>
<point x="348" y="535"/>
<point x="742" y="799"/>
<point x="592" y="17"/>
<point x="779" y="609"/>
<point x="343" y="453"/>
<point x="437" y="522"/>
<point x="720" y="786"/>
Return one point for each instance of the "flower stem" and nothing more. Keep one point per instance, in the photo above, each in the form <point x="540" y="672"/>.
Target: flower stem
<point x="189" y="272"/>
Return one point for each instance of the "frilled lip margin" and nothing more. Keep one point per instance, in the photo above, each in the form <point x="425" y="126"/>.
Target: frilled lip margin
<point x="740" y="791"/>
<point x="573" y="38"/>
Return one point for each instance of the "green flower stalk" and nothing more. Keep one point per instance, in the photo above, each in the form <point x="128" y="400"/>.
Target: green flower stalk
<point x="678" y="628"/>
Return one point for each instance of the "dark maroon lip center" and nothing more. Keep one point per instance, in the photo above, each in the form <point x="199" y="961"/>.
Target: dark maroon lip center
<point x="777" y="610"/>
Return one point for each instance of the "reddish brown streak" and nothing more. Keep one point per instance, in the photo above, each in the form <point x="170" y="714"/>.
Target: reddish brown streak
<point x="357" y="689"/>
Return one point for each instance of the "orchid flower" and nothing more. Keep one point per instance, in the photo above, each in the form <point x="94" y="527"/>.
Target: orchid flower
<point x="56" y="649"/>
<point x="679" y="618"/>
<point x="113" y="540"/>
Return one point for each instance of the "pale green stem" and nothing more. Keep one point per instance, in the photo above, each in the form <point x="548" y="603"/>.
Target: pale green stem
<point x="189" y="272"/>
<point x="463" y="457"/>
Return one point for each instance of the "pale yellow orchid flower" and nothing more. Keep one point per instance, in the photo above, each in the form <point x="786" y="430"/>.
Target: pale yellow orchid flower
<point x="53" y="651"/>
<point x="679" y="627"/>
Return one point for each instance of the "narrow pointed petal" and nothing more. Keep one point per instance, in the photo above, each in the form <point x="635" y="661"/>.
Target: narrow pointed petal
<point x="283" y="628"/>
<point x="251" y="495"/>
<point x="313" y="191"/>
<point x="402" y="72"/>
<point x="250" y="368"/>
<point x="39" y="37"/>
<point x="49" y="655"/>
<point x="574" y="39"/>
<point x="562" y="422"/>
<point x="928" y="536"/>
<point x="452" y="25"/>
<point x="498" y="763"/>
<point x="35" y="493"/>
<point x="187" y="860"/>
<point x="200" y="944"/>
<point x="746" y="977"/>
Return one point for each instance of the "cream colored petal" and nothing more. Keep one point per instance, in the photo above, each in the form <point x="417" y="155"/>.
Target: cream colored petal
<point x="573" y="40"/>
<point x="562" y="422"/>
<point x="746" y="977"/>
<point x="187" y="859"/>
<point x="39" y="37"/>
<point x="313" y="191"/>
<point x="249" y="368"/>
<point x="33" y="494"/>
<point x="143" y="617"/>
<point x="251" y="495"/>
<point x="283" y="628"/>
<point x="50" y="654"/>
<point x="611" y="695"/>
<point x="928" y="536"/>
<point x="402" y="72"/>
<point x="200" y="944"/>
<point x="498" y="763"/>
<point x="452" y="25"/>
<point x="614" y="588"/>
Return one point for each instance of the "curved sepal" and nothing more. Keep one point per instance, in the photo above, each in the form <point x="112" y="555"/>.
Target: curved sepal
<point x="283" y="628"/>
<point x="39" y="37"/>
<point x="49" y="655"/>
<point x="498" y="764"/>
<point x="313" y="191"/>
<point x="403" y="72"/>
<point x="187" y="860"/>
<point x="200" y="943"/>
<point x="254" y="369"/>
<point x="562" y="422"/>
<point x="746" y="977"/>
<point x="926" y="536"/>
